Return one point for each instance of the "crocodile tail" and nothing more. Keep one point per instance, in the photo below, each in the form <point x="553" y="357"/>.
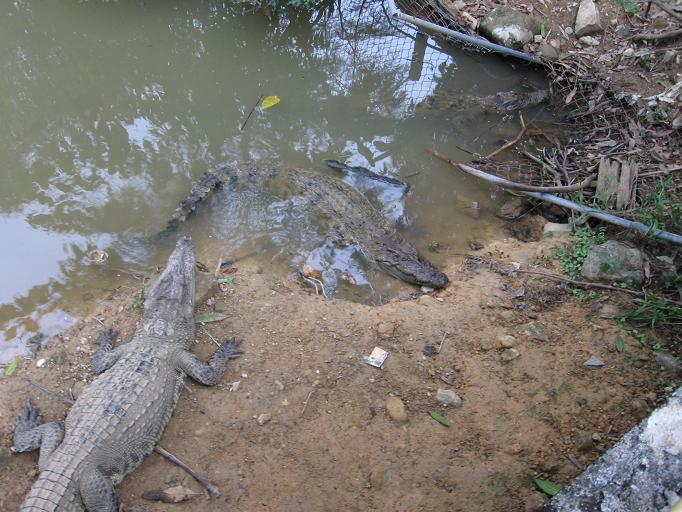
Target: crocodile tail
<point x="201" y="189"/>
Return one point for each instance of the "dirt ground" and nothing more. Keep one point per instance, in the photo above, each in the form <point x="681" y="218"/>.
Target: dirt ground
<point x="327" y="442"/>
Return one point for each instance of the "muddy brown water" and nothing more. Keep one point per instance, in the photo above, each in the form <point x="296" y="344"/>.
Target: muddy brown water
<point x="110" y="109"/>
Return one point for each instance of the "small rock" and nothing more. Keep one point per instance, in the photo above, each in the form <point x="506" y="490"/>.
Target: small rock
<point x="41" y="362"/>
<point x="639" y="406"/>
<point x="169" y="476"/>
<point x="220" y="307"/>
<point x="596" y="437"/>
<point x="385" y="329"/>
<point x="509" y="354"/>
<point x="279" y="385"/>
<point x="548" y="51"/>
<point x="583" y="441"/>
<point x="507" y="341"/>
<point x="568" y="30"/>
<point x="430" y="350"/>
<point x="556" y="230"/>
<point x="396" y="409"/>
<point x="426" y="289"/>
<point x="475" y="245"/>
<point x="234" y="386"/>
<point x="508" y="27"/>
<point x="380" y="475"/>
<point x="589" y="41"/>
<point x="57" y="357"/>
<point x="614" y="261"/>
<point x="594" y="362"/>
<point x="535" y="331"/>
<point x="426" y="300"/>
<point x="669" y="362"/>
<point x="263" y="418"/>
<point x="587" y="20"/>
<point x="538" y="38"/>
<point x="448" y="397"/>
<point x="628" y="52"/>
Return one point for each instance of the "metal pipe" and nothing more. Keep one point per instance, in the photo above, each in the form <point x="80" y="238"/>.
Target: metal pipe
<point x="474" y="40"/>
<point x="566" y="203"/>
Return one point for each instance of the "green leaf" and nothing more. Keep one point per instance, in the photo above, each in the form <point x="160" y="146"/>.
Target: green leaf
<point x="210" y="317"/>
<point x="665" y="259"/>
<point x="547" y="486"/>
<point x="543" y="29"/>
<point x="12" y="366"/>
<point x="228" y="280"/>
<point x="439" y="418"/>
<point x="269" y="101"/>
<point x="620" y="344"/>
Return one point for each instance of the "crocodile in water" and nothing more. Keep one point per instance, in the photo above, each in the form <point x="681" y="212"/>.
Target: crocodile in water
<point x="353" y="220"/>
<point x="119" y="417"/>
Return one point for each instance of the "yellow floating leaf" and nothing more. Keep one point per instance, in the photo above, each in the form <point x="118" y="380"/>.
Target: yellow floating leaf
<point x="269" y="101"/>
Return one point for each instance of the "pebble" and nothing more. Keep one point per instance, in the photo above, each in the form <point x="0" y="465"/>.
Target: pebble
<point x="396" y="409"/>
<point x="448" y="397"/>
<point x="628" y="52"/>
<point x="279" y="385"/>
<point x="535" y="330"/>
<point x="583" y="441"/>
<point x="596" y="437"/>
<point x="425" y="300"/>
<point x="509" y="354"/>
<point x="41" y="362"/>
<point x="380" y="475"/>
<point x="589" y="40"/>
<point x="594" y="362"/>
<point x="507" y="341"/>
<point x="426" y="289"/>
<point x="263" y="419"/>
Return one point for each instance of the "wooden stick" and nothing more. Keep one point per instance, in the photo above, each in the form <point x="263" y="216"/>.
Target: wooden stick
<point x="54" y="394"/>
<point x="305" y="404"/>
<point x="210" y="487"/>
<point x="513" y="142"/>
<point x="651" y="36"/>
<point x="260" y="98"/>
<point x="511" y="185"/>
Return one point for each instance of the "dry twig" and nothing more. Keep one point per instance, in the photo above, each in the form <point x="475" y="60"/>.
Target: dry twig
<point x="513" y="142"/>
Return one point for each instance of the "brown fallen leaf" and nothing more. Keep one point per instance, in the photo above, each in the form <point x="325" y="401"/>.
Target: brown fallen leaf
<point x="171" y="495"/>
<point x="309" y="271"/>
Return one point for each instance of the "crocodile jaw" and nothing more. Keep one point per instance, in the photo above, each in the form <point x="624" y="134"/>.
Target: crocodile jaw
<point x="169" y="304"/>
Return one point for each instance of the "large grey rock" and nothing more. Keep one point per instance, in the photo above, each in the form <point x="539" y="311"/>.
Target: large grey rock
<point x="614" y="261"/>
<point x="642" y="471"/>
<point x="508" y="27"/>
<point x="587" y="20"/>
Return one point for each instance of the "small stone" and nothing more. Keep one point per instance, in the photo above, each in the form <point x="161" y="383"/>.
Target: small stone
<point x="509" y="354"/>
<point x="568" y="30"/>
<point x="583" y="441"/>
<point x="639" y="406"/>
<point x="263" y="418"/>
<point x="220" y="307"/>
<point x="589" y="41"/>
<point x="57" y="357"/>
<point x="508" y="27"/>
<point x="385" y="329"/>
<point x="587" y="20"/>
<point x="169" y="476"/>
<point x="41" y="362"/>
<point x="475" y="245"/>
<point x="596" y="437"/>
<point x="279" y="385"/>
<point x="556" y="230"/>
<point x="548" y="51"/>
<point x="205" y="286"/>
<point x="380" y="475"/>
<point x="594" y="362"/>
<point x="426" y="289"/>
<point x="430" y="350"/>
<point x="628" y="52"/>
<point x="507" y="341"/>
<point x="426" y="300"/>
<point x="448" y="397"/>
<point x="668" y="361"/>
<point x="538" y="38"/>
<point x="396" y="409"/>
<point x="535" y="331"/>
<point x="513" y="209"/>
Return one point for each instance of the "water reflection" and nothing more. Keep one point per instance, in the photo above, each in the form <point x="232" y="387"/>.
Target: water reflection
<point x="110" y="108"/>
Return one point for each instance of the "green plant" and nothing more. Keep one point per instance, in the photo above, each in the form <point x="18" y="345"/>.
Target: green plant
<point x="629" y="6"/>
<point x="138" y="300"/>
<point x="652" y="310"/>
<point x="673" y="281"/>
<point x="659" y="209"/>
<point x="573" y="257"/>
<point x="584" y="295"/>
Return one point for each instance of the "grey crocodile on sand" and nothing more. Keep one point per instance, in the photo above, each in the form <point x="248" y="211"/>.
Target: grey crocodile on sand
<point x="119" y="417"/>
<point x="352" y="218"/>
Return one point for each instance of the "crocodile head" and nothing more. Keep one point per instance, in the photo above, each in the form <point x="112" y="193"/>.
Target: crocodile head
<point x="400" y="259"/>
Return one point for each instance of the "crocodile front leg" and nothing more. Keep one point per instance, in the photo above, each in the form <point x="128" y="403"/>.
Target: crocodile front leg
<point x="97" y="492"/>
<point x="210" y="373"/>
<point x="106" y="356"/>
<point x="30" y="433"/>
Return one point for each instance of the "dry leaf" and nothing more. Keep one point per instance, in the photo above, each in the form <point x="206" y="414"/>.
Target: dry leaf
<point x="570" y="96"/>
<point x="171" y="495"/>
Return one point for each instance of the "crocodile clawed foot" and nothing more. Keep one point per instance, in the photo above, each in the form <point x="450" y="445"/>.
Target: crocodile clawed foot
<point x="28" y="419"/>
<point x="106" y="339"/>
<point x="229" y="349"/>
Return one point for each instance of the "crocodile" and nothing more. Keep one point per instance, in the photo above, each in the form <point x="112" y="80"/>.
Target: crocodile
<point x="118" y="418"/>
<point x="352" y="218"/>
